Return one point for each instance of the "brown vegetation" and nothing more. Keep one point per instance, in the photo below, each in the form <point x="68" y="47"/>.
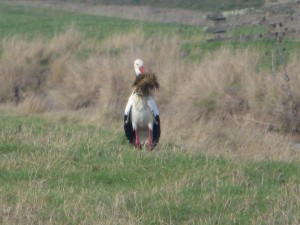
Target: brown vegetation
<point x="145" y="84"/>
<point x="224" y="104"/>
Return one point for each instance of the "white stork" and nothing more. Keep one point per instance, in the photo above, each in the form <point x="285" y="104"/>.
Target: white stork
<point x="141" y="117"/>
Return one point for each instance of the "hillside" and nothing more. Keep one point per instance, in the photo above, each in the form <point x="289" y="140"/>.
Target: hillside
<point x="204" y="5"/>
<point x="265" y="16"/>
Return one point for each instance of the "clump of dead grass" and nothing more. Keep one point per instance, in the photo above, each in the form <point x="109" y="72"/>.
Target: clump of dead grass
<point x="145" y="84"/>
<point x="26" y="66"/>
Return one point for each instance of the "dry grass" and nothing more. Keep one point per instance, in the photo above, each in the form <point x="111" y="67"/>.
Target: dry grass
<point x="145" y="84"/>
<point x="224" y="104"/>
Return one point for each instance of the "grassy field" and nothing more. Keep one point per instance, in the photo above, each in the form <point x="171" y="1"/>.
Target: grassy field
<point x="68" y="173"/>
<point x="226" y="157"/>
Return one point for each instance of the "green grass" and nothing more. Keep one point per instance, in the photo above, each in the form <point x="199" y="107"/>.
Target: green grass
<point x="31" y="21"/>
<point x="53" y="169"/>
<point x="188" y="4"/>
<point x="253" y="30"/>
<point x="218" y="5"/>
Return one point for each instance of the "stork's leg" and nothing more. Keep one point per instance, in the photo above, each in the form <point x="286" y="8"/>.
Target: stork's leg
<point x="150" y="139"/>
<point x="137" y="142"/>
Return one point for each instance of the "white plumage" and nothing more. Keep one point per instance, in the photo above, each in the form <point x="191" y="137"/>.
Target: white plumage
<point x="142" y="120"/>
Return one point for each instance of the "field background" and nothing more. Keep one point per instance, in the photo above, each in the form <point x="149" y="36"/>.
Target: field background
<point x="229" y="151"/>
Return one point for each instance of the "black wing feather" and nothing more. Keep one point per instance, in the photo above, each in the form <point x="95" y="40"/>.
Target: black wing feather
<point x="156" y="130"/>
<point x="128" y="127"/>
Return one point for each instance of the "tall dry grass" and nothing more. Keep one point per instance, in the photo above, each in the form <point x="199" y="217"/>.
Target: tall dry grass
<point x="198" y="101"/>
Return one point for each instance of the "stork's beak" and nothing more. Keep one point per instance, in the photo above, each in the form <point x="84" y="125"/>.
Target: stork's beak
<point x="142" y="69"/>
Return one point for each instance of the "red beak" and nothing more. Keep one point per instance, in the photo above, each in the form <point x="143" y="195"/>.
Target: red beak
<point x="142" y="69"/>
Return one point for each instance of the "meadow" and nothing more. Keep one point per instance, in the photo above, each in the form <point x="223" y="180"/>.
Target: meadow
<point x="205" y="5"/>
<point x="227" y="153"/>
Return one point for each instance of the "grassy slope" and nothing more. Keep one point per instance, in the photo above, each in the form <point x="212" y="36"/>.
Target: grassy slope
<point x="31" y="22"/>
<point x="59" y="173"/>
<point x="188" y="4"/>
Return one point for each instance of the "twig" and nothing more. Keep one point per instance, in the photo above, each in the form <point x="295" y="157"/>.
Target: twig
<point x="257" y="121"/>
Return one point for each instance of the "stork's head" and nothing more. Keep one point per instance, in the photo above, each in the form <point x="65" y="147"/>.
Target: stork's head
<point x="138" y="67"/>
